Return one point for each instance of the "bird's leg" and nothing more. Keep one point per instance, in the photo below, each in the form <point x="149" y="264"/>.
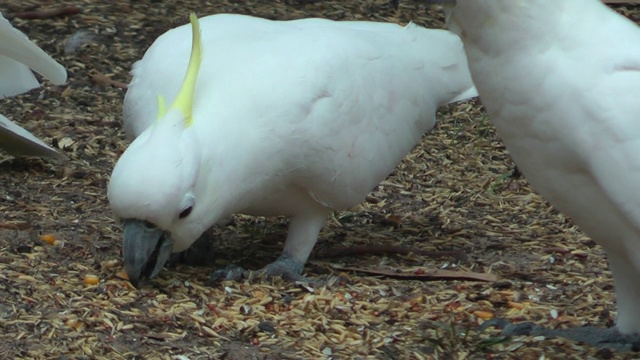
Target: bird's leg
<point x="303" y="234"/>
<point x="301" y="238"/>
<point x="625" y="268"/>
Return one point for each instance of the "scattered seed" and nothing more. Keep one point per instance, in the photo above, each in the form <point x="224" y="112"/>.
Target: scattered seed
<point x="48" y="238"/>
<point x="484" y="315"/>
<point x="91" y="279"/>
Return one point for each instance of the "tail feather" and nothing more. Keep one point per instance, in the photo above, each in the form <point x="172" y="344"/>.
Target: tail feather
<point x="15" y="78"/>
<point x="19" y="141"/>
<point x="15" y="45"/>
<point x="18" y="55"/>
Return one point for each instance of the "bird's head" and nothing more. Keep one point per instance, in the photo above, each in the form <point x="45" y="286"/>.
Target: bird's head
<point x="154" y="185"/>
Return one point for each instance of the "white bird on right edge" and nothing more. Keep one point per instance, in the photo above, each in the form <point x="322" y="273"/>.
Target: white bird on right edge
<point x="561" y="82"/>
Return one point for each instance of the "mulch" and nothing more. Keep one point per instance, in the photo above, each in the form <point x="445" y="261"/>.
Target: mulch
<point x="453" y="237"/>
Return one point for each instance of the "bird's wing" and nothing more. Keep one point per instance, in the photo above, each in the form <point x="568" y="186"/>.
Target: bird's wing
<point x="352" y="98"/>
<point x="15" y="45"/>
<point x="358" y="93"/>
<point x="222" y="32"/>
<point x="447" y="50"/>
<point x="17" y="140"/>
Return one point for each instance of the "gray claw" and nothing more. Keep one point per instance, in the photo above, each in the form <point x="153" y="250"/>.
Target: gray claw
<point x="520" y="329"/>
<point x="495" y="322"/>
<point x="286" y="268"/>
<point x="229" y="272"/>
<point x="609" y="338"/>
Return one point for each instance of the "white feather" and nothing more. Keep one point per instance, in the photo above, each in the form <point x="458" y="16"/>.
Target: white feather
<point x="16" y="46"/>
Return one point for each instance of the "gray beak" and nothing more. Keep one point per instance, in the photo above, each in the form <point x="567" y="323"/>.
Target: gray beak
<point x="145" y="249"/>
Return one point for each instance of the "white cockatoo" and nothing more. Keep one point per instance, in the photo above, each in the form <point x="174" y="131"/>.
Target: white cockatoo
<point x="295" y="118"/>
<point x="561" y="82"/>
<point x="18" y="55"/>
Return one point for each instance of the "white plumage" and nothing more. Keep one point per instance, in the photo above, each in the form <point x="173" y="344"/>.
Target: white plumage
<point x="561" y="82"/>
<point x="292" y="118"/>
<point x="18" y="56"/>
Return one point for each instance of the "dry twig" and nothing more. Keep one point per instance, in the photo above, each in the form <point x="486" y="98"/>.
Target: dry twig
<point x="431" y="275"/>
<point x="103" y="79"/>
<point x="46" y="14"/>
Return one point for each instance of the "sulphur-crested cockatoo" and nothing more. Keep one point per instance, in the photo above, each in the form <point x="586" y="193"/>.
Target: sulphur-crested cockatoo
<point x="18" y="55"/>
<point x="561" y="82"/>
<point x="294" y="118"/>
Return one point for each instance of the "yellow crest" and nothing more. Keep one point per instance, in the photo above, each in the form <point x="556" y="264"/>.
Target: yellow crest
<point x="162" y="107"/>
<point x="184" y="100"/>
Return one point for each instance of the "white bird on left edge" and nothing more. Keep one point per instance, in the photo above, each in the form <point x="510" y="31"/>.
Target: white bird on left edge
<point x="18" y="55"/>
<point x="294" y="118"/>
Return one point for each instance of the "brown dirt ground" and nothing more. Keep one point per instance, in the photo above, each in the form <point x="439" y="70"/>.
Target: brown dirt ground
<point x="452" y="194"/>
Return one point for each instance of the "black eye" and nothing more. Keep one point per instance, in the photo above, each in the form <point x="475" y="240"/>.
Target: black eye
<point x="185" y="212"/>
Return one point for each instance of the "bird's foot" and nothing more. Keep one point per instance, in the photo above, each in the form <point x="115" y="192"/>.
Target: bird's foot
<point x="228" y="273"/>
<point x="285" y="267"/>
<point x="609" y="338"/>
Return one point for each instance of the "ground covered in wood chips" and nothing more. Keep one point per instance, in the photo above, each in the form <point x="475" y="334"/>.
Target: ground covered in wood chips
<point x="453" y="204"/>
